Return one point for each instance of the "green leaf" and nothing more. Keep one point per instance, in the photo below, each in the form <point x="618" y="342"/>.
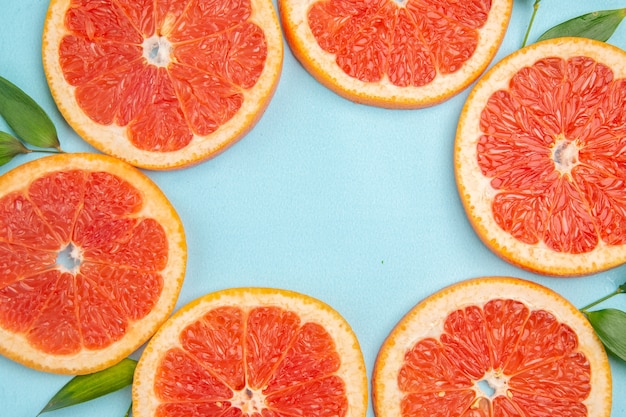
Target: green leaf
<point x="29" y="121"/>
<point x="610" y="326"/>
<point x="10" y="147"/>
<point x="89" y="387"/>
<point x="596" y="25"/>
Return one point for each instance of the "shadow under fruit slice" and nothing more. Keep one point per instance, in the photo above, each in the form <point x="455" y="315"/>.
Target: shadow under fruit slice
<point x="492" y="346"/>
<point x="162" y="84"/>
<point x="93" y="259"/>
<point x="252" y="351"/>
<point x="539" y="157"/>
<point x="395" y="54"/>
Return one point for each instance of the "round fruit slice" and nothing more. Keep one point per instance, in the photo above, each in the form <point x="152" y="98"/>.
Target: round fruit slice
<point x="93" y="257"/>
<point x="166" y="83"/>
<point x="252" y="351"/>
<point x="395" y="54"/>
<point x="539" y="157"/>
<point x="492" y="347"/>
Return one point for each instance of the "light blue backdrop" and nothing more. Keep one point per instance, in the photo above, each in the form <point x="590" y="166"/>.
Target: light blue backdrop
<point x="354" y="205"/>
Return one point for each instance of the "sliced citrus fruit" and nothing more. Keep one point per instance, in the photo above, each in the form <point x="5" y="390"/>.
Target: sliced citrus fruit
<point x="539" y="157"/>
<point x="252" y="352"/>
<point x="162" y="84"/>
<point x="395" y="54"/>
<point x="93" y="257"/>
<point x="494" y="346"/>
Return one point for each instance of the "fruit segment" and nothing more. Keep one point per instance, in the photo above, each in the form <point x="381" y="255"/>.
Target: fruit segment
<point x="542" y="357"/>
<point x="538" y="153"/>
<point x="266" y="352"/>
<point x="252" y="352"/>
<point x="525" y="356"/>
<point x="162" y="84"/>
<point x="404" y="54"/>
<point x="539" y="149"/>
<point x="410" y="41"/>
<point x="114" y="250"/>
<point x="94" y="257"/>
<point x="124" y="85"/>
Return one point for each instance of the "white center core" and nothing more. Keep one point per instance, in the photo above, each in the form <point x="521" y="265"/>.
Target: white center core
<point x="492" y="385"/>
<point x="565" y="155"/>
<point x="157" y="51"/>
<point x="249" y="401"/>
<point x="69" y="259"/>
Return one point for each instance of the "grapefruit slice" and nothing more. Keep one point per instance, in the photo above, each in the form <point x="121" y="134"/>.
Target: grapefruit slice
<point x="395" y="54"/>
<point x="492" y="346"/>
<point x="252" y="352"/>
<point x="93" y="257"/>
<point x="162" y="84"/>
<point x="539" y="157"/>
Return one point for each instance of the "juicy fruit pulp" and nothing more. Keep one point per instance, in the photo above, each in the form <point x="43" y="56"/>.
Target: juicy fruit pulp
<point x="409" y="43"/>
<point x="250" y="359"/>
<point x="250" y="371"/>
<point x="83" y="261"/>
<point x="552" y="147"/>
<point x="61" y="310"/>
<point x="549" y="147"/>
<point x="525" y="357"/>
<point x="532" y="355"/>
<point x="395" y="54"/>
<point x="162" y="75"/>
<point x="166" y="82"/>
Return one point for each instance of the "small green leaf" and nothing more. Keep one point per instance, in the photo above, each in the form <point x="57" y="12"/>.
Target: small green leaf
<point x="89" y="387"/>
<point x="27" y="119"/>
<point x="596" y="25"/>
<point x="610" y="326"/>
<point x="130" y="408"/>
<point x="10" y="147"/>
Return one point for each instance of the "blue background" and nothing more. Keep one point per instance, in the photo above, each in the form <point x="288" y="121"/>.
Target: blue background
<point x="351" y="204"/>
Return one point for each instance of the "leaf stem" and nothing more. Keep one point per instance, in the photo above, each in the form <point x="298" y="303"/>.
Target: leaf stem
<point x="55" y="150"/>
<point x="530" y="24"/>
<point x="621" y="289"/>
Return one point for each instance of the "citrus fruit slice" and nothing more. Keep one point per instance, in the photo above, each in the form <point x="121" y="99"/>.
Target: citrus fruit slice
<point x="395" y="54"/>
<point x="252" y="352"/>
<point x="492" y="346"/>
<point x="93" y="257"/>
<point x="539" y="157"/>
<point x="162" y="84"/>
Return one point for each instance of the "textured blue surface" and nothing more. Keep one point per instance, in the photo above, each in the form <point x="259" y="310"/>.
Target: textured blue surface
<point x="354" y="205"/>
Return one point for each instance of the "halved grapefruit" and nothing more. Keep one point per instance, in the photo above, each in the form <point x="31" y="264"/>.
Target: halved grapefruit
<point x="492" y="347"/>
<point x="252" y="352"/>
<point x="395" y="54"/>
<point x="93" y="257"/>
<point x="539" y="157"/>
<point x="162" y="84"/>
